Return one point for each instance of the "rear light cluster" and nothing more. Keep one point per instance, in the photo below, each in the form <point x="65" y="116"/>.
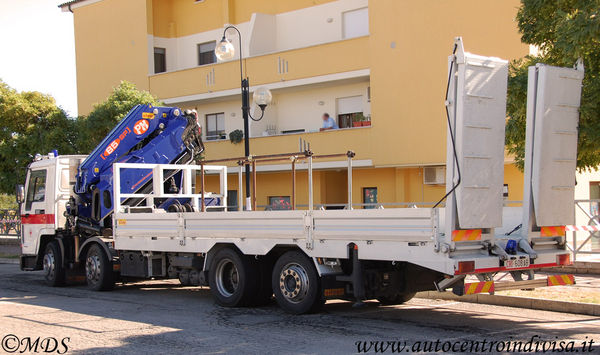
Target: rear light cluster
<point x="563" y="259"/>
<point x="466" y="267"/>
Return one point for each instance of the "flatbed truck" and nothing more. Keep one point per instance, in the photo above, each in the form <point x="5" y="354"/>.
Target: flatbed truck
<point x="131" y="210"/>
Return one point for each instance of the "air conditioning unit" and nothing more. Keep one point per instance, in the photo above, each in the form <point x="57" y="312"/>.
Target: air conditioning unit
<point x="434" y="175"/>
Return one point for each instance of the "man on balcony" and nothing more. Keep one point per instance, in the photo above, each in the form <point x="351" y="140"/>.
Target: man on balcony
<point x="328" y="123"/>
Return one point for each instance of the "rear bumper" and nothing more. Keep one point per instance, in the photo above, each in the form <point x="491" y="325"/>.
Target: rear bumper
<point x="492" y="264"/>
<point x="490" y="287"/>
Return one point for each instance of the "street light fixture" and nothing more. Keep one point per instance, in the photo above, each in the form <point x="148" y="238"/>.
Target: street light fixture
<point x="262" y="97"/>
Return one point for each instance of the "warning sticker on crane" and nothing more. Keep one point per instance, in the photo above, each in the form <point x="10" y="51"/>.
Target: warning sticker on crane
<point x="141" y="127"/>
<point x="148" y="115"/>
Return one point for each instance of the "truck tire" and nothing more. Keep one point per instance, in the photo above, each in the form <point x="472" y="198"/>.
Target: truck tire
<point x="296" y="284"/>
<point x="233" y="278"/>
<point x="398" y="299"/>
<point x="54" y="272"/>
<point x="99" y="273"/>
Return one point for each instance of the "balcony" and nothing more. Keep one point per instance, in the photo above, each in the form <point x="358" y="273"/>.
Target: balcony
<point x="357" y="139"/>
<point x="223" y="79"/>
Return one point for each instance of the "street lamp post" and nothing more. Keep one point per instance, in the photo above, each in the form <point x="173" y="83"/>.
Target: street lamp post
<point x="262" y="97"/>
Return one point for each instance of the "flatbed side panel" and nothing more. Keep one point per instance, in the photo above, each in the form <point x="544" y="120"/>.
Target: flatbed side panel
<point x="263" y="224"/>
<point x="397" y="224"/>
<point x="556" y="116"/>
<point x="479" y="133"/>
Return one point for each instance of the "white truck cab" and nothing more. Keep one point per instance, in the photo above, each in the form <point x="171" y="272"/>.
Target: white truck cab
<point x="48" y="187"/>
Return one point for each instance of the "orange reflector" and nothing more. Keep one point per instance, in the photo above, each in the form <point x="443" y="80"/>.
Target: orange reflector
<point x="479" y="287"/>
<point x="561" y="280"/>
<point x="329" y="292"/>
<point x="464" y="235"/>
<point x="557" y="231"/>
<point x="563" y="259"/>
<point x="466" y="266"/>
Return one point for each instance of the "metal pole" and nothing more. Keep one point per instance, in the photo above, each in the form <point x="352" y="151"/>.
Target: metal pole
<point x="203" y="205"/>
<point x="293" y="183"/>
<point x="349" y="181"/>
<point x="310" y="184"/>
<point x="240" y="190"/>
<point x="574" y="246"/>
<point x="245" y="110"/>
<point x="254" y="185"/>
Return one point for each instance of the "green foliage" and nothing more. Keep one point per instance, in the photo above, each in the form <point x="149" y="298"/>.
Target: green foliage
<point x="236" y="136"/>
<point x="107" y="114"/>
<point x="31" y="123"/>
<point x="563" y="30"/>
<point x="8" y="202"/>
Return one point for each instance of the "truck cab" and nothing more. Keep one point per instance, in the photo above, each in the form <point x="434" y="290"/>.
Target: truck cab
<point x="48" y="187"/>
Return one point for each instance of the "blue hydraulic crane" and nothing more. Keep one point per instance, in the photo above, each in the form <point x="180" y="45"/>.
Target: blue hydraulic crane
<point x="147" y="134"/>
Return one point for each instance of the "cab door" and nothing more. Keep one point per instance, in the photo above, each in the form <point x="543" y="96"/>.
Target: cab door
<point x="37" y="215"/>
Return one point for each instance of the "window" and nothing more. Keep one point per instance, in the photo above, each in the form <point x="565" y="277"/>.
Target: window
<point x="278" y="203"/>
<point x="355" y="23"/>
<point x="36" y="189"/>
<point x="350" y="111"/>
<point x="206" y="53"/>
<point x="215" y="126"/>
<point x="160" y="60"/>
<point x="232" y="200"/>
<point x="369" y="196"/>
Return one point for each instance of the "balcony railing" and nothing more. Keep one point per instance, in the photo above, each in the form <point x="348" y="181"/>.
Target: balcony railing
<point x="306" y="62"/>
<point x="326" y="142"/>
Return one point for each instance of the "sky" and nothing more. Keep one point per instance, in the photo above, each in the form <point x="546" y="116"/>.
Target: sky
<point x="37" y="49"/>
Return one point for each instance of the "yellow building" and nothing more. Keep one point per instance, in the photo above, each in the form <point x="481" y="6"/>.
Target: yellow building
<point x="384" y="60"/>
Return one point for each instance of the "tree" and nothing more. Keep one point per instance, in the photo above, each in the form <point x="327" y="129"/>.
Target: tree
<point x="30" y="123"/>
<point x="107" y="114"/>
<point x="563" y="31"/>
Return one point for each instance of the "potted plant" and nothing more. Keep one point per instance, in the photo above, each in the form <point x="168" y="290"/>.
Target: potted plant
<point x="367" y="121"/>
<point x="236" y="136"/>
<point x="357" y="119"/>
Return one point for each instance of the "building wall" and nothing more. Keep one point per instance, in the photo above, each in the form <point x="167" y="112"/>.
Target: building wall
<point x="409" y="45"/>
<point x="402" y="58"/>
<point x="110" y="46"/>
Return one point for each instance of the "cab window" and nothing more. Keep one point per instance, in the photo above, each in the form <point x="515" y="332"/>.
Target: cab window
<point x="36" y="190"/>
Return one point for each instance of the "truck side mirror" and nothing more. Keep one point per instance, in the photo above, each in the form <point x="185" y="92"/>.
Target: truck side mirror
<point x="20" y="193"/>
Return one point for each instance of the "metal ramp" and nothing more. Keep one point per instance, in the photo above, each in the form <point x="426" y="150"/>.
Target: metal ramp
<point x="553" y="99"/>
<point x="476" y="104"/>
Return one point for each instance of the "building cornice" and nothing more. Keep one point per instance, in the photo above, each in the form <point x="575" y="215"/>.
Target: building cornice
<point x="70" y="5"/>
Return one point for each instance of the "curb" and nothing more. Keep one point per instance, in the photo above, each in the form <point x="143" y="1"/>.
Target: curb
<point x="9" y="261"/>
<point x="589" y="309"/>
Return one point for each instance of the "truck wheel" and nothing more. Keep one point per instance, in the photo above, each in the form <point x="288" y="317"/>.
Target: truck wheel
<point x="296" y="283"/>
<point x="397" y="299"/>
<point x="54" y="272"/>
<point x="98" y="269"/>
<point x="233" y="278"/>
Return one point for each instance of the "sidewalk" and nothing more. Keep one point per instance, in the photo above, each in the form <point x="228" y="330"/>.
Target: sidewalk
<point x="581" y="298"/>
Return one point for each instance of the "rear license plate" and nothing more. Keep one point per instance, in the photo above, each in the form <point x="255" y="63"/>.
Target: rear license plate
<point x="516" y="263"/>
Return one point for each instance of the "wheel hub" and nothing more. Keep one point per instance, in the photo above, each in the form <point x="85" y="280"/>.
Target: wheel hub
<point x="227" y="277"/>
<point x="92" y="268"/>
<point x="293" y="282"/>
<point x="49" y="265"/>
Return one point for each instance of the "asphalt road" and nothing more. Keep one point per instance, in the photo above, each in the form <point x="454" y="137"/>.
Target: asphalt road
<point x="162" y="317"/>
